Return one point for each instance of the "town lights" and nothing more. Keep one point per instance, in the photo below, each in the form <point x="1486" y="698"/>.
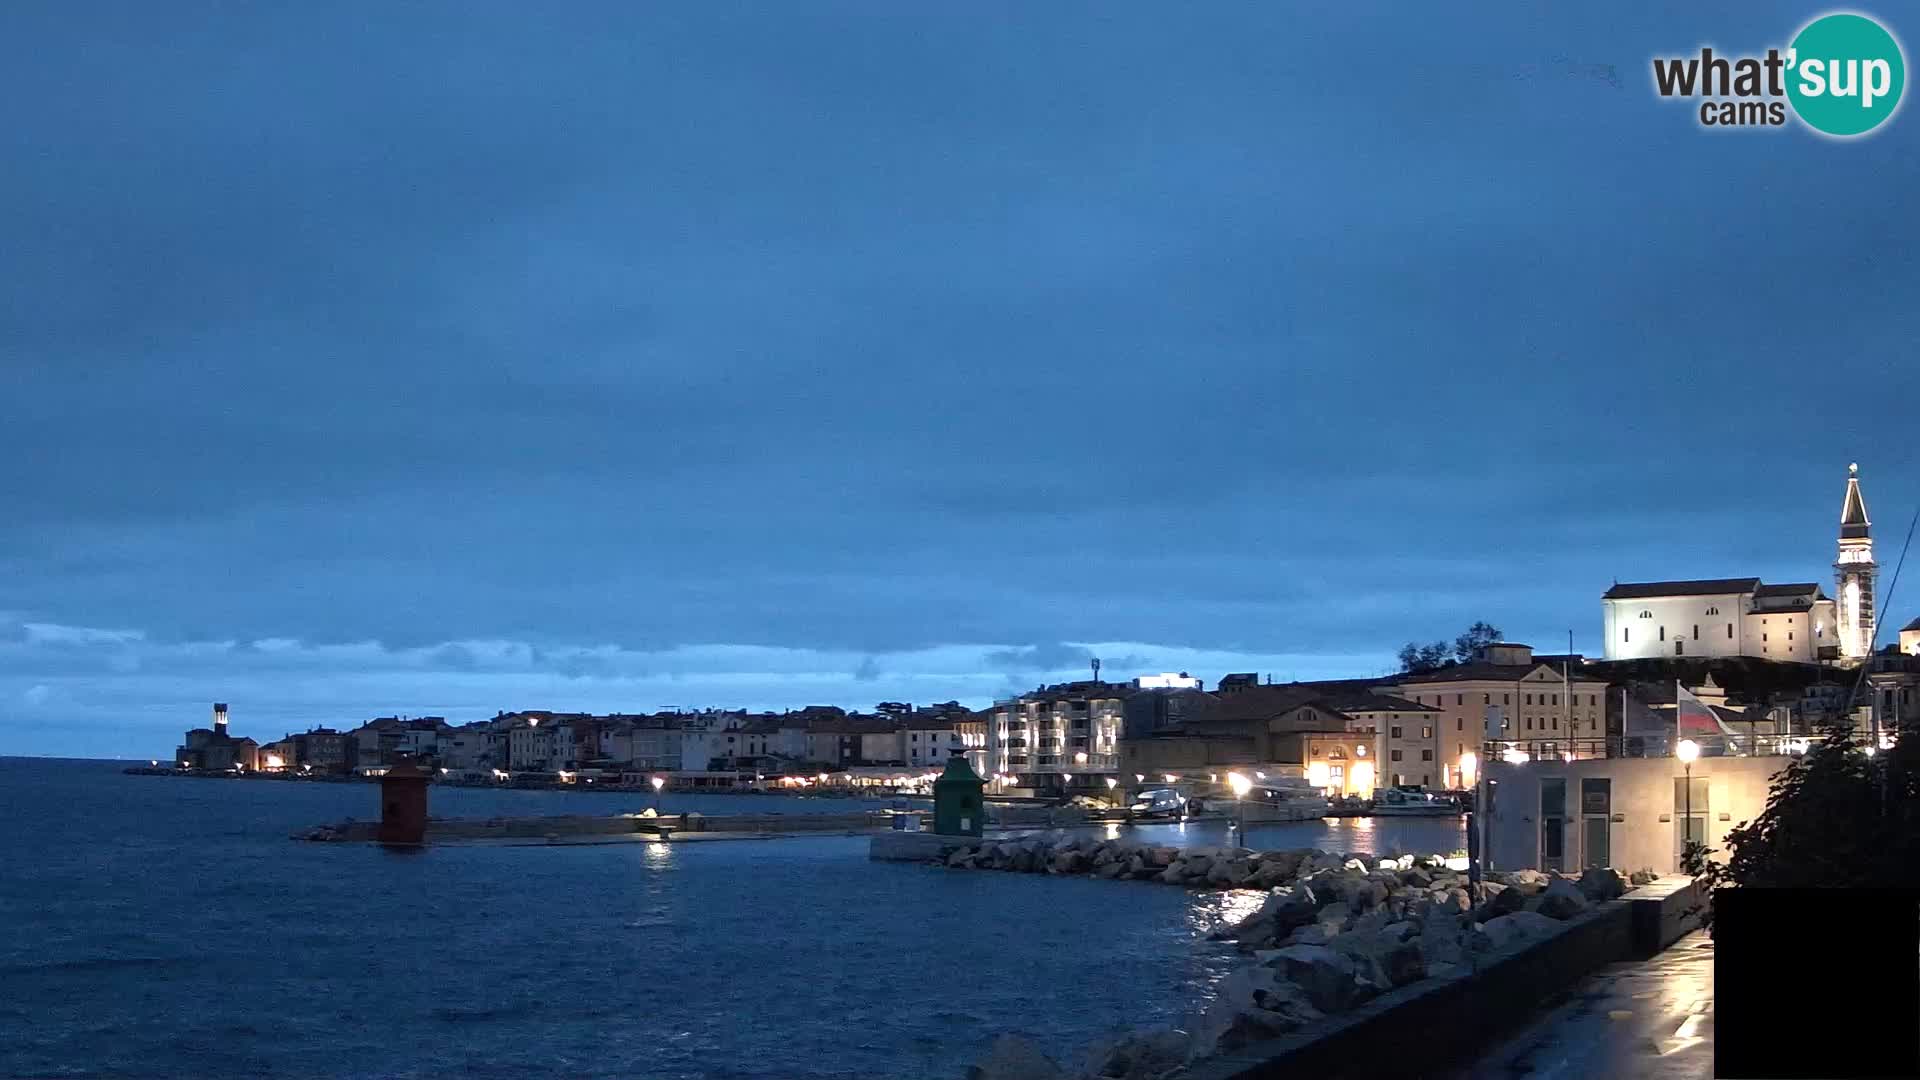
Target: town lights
<point x="1139" y="778"/>
<point x="1469" y="767"/>
<point x="1080" y="758"/>
<point x="1169" y="777"/>
<point x="1112" y="783"/>
<point x="1515" y="756"/>
<point x="1687" y="751"/>
<point x="1240" y="785"/>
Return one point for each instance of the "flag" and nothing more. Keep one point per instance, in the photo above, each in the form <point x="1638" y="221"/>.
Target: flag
<point x="1694" y="720"/>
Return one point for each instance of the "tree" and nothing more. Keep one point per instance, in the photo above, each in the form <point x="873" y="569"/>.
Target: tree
<point x="1478" y="636"/>
<point x="1415" y="658"/>
<point x="1836" y="817"/>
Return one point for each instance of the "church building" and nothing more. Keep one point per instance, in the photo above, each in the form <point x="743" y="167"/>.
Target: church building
<point x="1744" y="617"/>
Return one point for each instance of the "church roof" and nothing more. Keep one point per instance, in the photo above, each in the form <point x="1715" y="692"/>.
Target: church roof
<point x="1853" y="512"/>
<point x="1788" y="590"/>
<point x="1635" y="590"/>
<point x="1914" y="625"/>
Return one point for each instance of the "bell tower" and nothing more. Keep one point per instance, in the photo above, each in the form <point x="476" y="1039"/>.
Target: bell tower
<point x="1853" y="572"/>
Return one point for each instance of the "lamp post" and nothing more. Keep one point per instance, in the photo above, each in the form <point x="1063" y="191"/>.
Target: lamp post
<point x="1686" y="752"/>
<point x="1470" y="777"/>
<point x="657" y="783"/>
<point x="1240" y="785"/>
<point x="1111" y="797"/>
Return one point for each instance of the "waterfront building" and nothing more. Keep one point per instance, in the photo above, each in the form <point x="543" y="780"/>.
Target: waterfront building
<point x="470" y="748"/>
<point x="1554" y="705"/>
<point x="325" y="750"/>
<point x="1743" y="617"/>
<point x="931" y="737"/>
<point x="1630" y="813"/>
<point x="1910" y="638"/>
<point x="1072" y="729"/>
<point x="973" y="740"/>
<point x="215" y="748"/>
<point x="1288" y="732"/>
<point x="280" y="756"/>
<point x="386" y="740"/>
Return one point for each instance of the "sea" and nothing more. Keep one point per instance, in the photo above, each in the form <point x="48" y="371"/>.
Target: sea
<point x="155" y="926"/>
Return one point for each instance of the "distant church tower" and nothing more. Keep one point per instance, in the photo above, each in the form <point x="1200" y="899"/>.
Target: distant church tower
<point x="1854" y="570"/>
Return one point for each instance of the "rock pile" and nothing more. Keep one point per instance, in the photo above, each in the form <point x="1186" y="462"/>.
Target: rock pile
<point x="1198" y="868"/>
<point x="1333" y="932"/>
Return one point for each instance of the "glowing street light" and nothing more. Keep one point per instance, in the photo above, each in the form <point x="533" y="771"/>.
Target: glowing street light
<point x="1469" y="767"/>
<point x="1169" y="777"/>
<point x="1111" y="797"/>
<point x="1139" y="778"/>
<point x="1240" y="785"/>
<point x="658" y="783"/>
<point x="1080" y="758"/>
<point x="1686" y="752"/>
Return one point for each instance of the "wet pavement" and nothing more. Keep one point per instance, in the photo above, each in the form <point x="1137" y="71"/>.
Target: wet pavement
<point x="1650" y="1019"/>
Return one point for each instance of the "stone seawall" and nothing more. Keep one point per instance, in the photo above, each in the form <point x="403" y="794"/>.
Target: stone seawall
<point x="1337" y="938"/>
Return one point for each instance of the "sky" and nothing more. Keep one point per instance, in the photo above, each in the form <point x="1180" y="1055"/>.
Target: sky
<point x="445" y="358"/>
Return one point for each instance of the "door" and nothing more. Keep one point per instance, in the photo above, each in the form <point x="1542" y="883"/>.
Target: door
<point x="1596" y="806"/>
<point x="1553" y="823"/>
<point x="1690" y="811"/>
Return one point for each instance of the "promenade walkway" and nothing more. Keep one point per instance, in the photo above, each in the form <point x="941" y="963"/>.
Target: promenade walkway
<point x="1650" y="1019"/>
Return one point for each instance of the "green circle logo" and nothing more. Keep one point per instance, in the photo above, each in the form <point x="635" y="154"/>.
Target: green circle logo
<point x="1845" y="74"/>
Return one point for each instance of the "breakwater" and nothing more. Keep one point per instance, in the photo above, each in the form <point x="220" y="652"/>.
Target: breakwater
<point x="654" y="826"/>
<point x="1334" y="932"/>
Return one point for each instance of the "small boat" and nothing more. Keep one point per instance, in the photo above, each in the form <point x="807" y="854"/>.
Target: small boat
<point x="1268" y="802"/>
<point x="1412" y="802"/>
<point x="1158" y="803"/>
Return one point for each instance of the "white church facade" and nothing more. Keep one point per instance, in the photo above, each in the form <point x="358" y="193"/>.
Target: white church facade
<point x="1744" y="617"/>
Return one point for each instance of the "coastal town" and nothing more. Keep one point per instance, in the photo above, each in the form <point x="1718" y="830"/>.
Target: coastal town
<point x="1765" y="664"/>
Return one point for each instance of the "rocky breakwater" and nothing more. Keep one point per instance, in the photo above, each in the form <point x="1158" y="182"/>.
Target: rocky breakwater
<point x="1336" y="933"/>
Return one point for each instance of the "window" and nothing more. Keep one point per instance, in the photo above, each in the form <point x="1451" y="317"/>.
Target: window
<point x="1488" y="699"/>
<point x="1459" y="723"/>
<point x="1556" y="723"/>
<point x="1506" y="699"/>
<point x="1461" y="699"/>
<point x="1646" y="614"/>
<point x="1556" y="699"/>
<point x="1729" y="631"/>
<point x="1426" y="733"/>
<point x="1529" y="699"/>
<point x="1713" y="611"/>
<point x="1426" y="755"/>
<point x="1789" y="635"/>
<point x="1696" y="631"/>
<point x="1663" y="633"/>
<point x="1679" y="648"/>
<point x="1626" y="633"/>
<point x="1529" y="723"/>
<point x="1763" y="635"/>
<point x="1394" y="754"/>
<point x="1394" y="731"/>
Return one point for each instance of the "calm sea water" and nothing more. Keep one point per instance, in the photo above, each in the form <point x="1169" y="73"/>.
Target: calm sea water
<point x="168" y="927"/>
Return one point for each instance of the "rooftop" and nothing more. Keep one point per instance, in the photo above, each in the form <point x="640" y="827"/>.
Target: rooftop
<point x="1634" y="590"/>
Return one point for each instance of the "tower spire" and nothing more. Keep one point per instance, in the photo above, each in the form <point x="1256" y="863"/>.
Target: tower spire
<point x="1854" y="572"/>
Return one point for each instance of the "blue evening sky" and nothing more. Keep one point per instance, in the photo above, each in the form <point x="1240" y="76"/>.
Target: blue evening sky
<point x="453" y="357"/>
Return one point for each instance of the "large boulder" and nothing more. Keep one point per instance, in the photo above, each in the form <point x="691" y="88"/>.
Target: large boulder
<point x="1015" y="1058"/>
<point x="1532" y="881"/>
<point x="1137" y="1055"/>
<point x="1162" y="856"/>
<point x="1601" y="883"/>
<point x="1249" y="1005"/>
<point x="1442" y="939"/>
<point x="1505" y="902"/>
<point x="1521" y="926"/>
<point x="1385" y="958"/>
<point x="1562" y="899"/>
<point x="1330" y="979"/>
<point x="1111" y="870"/>
<point x="1416" y="878"/>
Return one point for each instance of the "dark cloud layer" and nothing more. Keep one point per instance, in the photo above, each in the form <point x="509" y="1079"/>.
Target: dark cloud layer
<point x="855" y="332"/>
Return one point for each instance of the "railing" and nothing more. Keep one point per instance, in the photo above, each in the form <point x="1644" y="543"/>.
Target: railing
<point x="1770" y="744"/>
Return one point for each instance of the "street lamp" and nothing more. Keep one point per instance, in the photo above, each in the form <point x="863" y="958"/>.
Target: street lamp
<point x="1240" y="785"/>
<point x="657" y="783"/>
<point x="1111" y="797"/>
<point x="1686" y="752"/>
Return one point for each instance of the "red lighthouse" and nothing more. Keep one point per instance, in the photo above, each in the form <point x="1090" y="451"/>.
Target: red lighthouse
<point x="403" y="805"/>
